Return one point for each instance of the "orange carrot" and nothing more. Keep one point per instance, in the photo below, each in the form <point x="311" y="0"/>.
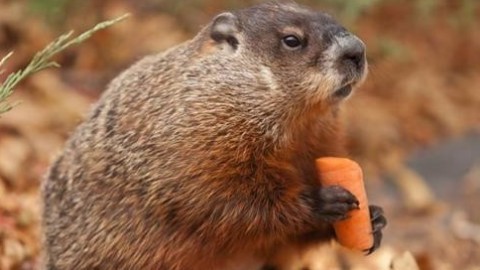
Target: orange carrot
<point x="356" y="231"/>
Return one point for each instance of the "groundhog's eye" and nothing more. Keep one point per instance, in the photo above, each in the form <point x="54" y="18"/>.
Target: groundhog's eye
<point x="291" y="42"/>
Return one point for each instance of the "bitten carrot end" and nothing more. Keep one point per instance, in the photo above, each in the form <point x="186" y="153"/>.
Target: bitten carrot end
<point x="356" y="231"/>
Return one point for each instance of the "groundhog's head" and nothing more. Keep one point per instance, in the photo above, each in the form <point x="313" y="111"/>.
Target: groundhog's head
<point x="304" y="53"/>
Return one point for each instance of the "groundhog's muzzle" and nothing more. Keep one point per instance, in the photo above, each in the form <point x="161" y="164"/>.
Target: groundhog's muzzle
<point x="349" y="52"/>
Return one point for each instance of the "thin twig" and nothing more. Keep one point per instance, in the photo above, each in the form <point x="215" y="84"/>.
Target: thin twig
<point x="42" y="60"/>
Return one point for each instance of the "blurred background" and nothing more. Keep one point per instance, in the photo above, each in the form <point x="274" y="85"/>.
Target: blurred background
<point x="414" y="125"/>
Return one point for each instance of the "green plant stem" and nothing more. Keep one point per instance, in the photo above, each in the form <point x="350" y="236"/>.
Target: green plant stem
<point x="42" y="60"/>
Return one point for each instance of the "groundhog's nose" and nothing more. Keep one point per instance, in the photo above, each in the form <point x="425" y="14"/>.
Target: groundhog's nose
<point x="352" y="53"/>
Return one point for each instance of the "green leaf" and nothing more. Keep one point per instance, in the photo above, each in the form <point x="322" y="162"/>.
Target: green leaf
<point x="43" y="60"/>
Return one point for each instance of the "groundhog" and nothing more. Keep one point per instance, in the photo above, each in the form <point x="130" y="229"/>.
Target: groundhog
<point x="202" y="157"/>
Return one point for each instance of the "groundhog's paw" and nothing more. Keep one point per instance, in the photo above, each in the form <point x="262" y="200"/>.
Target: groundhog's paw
<point x="378" y="223"/>
<point x="334" y="203"/>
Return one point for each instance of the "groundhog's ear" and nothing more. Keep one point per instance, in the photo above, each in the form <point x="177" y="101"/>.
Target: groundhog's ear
<point x="225" y="29"/>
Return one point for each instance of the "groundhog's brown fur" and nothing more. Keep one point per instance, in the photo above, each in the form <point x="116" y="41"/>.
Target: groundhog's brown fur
<point x="202" y="157"/>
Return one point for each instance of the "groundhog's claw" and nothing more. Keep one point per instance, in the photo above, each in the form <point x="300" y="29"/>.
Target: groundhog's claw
<point x="334" y="203"/>
<point x="378" y="223"/>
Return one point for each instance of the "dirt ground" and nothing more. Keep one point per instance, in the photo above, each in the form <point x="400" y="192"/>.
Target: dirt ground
<point x="414" y="125"/>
